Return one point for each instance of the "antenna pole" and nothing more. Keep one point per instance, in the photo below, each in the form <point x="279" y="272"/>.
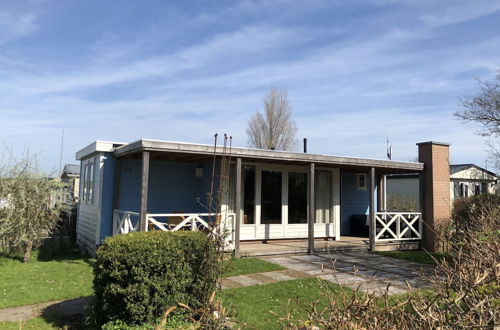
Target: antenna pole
<point x="61" y="156"/>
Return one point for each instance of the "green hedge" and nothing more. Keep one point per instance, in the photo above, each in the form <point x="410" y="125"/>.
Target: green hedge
<point x="139" y="275"/>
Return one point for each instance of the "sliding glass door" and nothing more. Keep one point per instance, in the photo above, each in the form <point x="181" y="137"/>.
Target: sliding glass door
<point x="271" y="197"/>
<point x="297" y="197"/>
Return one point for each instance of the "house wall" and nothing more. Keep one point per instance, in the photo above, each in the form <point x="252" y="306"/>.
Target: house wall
<point x="173" y="187"/>
<point x="87" y="226"/>
<point x="353" y="201"/>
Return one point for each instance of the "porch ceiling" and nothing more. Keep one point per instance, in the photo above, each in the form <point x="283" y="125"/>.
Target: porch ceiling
<point x="177" y="151"/>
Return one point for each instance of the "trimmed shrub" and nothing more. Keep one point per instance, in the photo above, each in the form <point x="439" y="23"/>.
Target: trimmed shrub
<point x="139" y="275"/>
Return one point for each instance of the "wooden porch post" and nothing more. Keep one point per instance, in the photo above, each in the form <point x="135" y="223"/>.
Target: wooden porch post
<point x="144" y="190"/>
<point x="382" y="203"/>
<point x="237" y="209"/>
<point x="312" y="212"/>
<point x="373" y="230"/>
<point x="116" y="184"/>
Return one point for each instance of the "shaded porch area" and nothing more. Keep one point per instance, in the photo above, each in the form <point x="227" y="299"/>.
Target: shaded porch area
<point x="300" y="246"/>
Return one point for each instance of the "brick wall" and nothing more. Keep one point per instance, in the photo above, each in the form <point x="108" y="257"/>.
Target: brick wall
<point x="435" y="189"/>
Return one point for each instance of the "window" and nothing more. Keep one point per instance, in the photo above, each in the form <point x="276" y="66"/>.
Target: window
<point x="297" y="197"/>
<point x="248" y="194"/>
<point x="324" y="197"/>
<point x="361" y="181"/>
<point x="484" y="188"/>
<point x="88" y="181"/>
<point x="464" y="189"/>
<point x="477" y="189"/>
<point x="83" y="191"/>
<point x="271" y="197"/>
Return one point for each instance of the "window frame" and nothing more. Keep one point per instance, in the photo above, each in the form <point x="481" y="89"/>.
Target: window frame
<point x="365" y="179"/>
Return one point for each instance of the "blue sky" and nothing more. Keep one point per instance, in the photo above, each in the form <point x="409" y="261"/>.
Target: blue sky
<point x="183" y="70"/>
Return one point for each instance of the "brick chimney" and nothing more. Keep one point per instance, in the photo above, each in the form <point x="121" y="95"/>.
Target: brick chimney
<point x="435" y="189"/>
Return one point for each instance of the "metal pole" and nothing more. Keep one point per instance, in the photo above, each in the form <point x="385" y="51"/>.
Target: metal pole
<point x="312" y="212"/>
<point x="238" y="209"/>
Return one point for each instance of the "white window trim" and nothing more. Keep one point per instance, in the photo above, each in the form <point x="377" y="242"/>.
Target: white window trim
<point x="358" y="175"/>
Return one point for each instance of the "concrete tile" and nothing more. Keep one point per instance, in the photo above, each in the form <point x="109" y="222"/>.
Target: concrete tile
<point x="229" y="284"/>
<point x="262" y="277"/>
<point x="279" y="276"/>
<point x="244" y="280"/>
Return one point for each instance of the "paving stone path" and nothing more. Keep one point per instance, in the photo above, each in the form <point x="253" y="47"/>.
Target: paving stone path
<point x="369" y="272"/>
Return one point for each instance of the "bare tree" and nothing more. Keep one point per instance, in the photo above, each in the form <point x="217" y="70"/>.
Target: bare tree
<point x="275" y="129"/>
<point x="484" y="108"/>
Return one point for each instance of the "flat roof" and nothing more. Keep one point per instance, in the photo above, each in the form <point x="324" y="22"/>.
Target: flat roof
<point x="260" y="154"/>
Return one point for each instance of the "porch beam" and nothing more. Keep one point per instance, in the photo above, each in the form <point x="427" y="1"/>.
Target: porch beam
<point x="144" y="190"/>
<point x="238" y="209"/>
<point x="372" y="210"/>
<point x="312" y="212"/>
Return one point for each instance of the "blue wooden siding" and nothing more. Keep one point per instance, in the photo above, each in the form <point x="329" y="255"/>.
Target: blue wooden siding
<point x="108" y="173"/>
<point x="173" y="187"/>
<point x="353" y="201"/>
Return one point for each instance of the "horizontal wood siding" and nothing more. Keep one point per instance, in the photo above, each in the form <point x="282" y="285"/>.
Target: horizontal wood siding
<point x="86" y="225"/>
<point x="353" y="201"/>
<point x="173" y="187"/>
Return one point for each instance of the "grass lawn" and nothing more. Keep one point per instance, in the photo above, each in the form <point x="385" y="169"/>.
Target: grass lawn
<point x="244" y="266"/>
<point x="44" y="324"/>
<point x="50" y="275"/>
<point x="417" y="256"/>
<point x="252" y="305"/>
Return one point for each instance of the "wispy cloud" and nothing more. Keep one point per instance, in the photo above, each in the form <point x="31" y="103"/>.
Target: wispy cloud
<point x="18" y="20"/>
<point x="348" y="81"/>
<point x="460" y="11"/>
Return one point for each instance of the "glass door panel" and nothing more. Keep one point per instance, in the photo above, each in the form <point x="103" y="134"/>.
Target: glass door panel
<point x="248" y="195"/>
<point x="297" y="197"/>
<point x="271" y="189"/>
<point x="323" y="197"/>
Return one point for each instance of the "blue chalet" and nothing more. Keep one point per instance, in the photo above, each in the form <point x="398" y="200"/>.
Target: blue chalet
<point x="259" y="195"/>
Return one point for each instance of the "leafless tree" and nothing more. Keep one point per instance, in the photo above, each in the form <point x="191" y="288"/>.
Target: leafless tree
<point x="275" y="129"/>
<point x="484" y="108"/>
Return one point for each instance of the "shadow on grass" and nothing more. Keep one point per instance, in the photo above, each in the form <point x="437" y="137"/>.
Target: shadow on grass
<point x="52" y="249"/>
<point x="68" y="314"/>
<point x="56" y="249"/>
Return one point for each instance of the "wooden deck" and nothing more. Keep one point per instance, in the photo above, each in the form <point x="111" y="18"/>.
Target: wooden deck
<point x="299" y="246"/>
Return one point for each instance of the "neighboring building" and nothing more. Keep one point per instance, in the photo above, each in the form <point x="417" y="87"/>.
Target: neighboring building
<point x="149" y="184"/>
<point x="465" y="180"/>
<point x="469" y="179"/>
<point x="71" y="177"/>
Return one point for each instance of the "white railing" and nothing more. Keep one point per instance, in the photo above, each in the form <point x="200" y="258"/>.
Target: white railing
<point x="126" y="221"/>
<point x="401" y="226"/>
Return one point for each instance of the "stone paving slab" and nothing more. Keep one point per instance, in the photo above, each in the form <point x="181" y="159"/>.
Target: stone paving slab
<point x="68" y="307"/>
<point x="369" y="272"/>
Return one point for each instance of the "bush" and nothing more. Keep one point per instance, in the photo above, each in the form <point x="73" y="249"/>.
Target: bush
<point x="464" y="291"/>
<point x="140" y="275"/>
<point x="480" y="213"/>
